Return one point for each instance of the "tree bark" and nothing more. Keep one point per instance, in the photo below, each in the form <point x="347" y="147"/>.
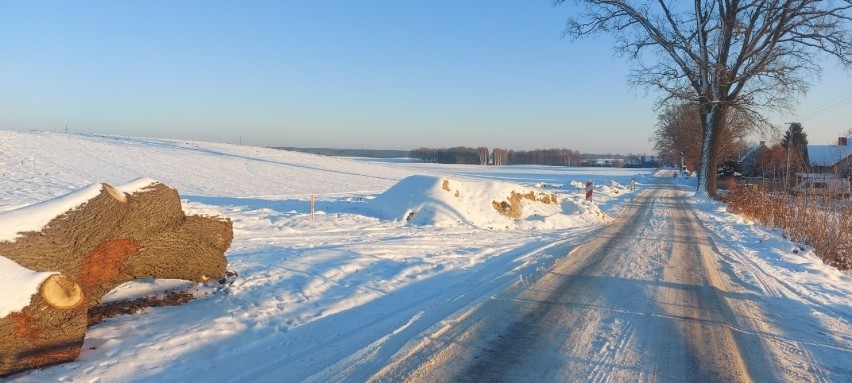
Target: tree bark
<point x="712" y="118"/>
<point x="49" y="330"/>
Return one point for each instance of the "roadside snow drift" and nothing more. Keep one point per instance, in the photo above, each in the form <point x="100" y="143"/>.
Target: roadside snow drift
<point x="438" y="201"/>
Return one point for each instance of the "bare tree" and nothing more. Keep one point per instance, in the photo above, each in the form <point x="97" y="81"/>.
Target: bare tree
<point x="749" y="54"/>
<point x="679" y="133"/>
<point x="500" y="156"/>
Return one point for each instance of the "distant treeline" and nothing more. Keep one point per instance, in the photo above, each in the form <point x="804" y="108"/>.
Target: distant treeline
<point x="481" y="156"/>
<point x="457" y="155"/>
<point x="552" y="157"/>
<point x="372" y="153"/>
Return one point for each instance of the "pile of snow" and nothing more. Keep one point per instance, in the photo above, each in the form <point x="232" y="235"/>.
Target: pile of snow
<point x="613" y="189"/>
<point x="20" y="284"/>
<point x="442" y="202"/>
<point x="578" y="185"/>
<point x="609" y="188"/>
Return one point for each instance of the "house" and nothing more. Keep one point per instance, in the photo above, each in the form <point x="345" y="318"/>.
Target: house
<point x="750" y="164"/>
<point x="832" y="159"/>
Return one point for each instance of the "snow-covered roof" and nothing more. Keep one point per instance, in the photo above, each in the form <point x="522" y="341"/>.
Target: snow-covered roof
<point x="754" y="150"/>
<point x="828" y="155"/>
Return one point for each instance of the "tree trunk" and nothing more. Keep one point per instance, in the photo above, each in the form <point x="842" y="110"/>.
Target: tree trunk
<point x="49" y="330"/>
<point x="110" y="239"/>
<point x="712" y="118"/>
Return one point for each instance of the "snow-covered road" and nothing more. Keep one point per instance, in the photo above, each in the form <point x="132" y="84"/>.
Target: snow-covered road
<point x="646" y="299"/>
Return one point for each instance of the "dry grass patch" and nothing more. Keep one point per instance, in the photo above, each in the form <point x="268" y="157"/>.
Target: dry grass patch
<point x="511" y="208"/>
<point x="824" y="224"/>
<point x="544" y="198"/>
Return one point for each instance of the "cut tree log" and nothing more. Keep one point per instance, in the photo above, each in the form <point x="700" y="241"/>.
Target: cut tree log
<point x="49" y="330"/>
<point x="111" y="238"/>
<point x="114" y="238"/>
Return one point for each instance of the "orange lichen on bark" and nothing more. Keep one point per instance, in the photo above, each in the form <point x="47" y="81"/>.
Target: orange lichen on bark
<point x="105" y="262"/>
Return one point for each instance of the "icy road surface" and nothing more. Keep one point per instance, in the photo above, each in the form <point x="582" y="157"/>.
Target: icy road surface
<point x="646" y="299"/>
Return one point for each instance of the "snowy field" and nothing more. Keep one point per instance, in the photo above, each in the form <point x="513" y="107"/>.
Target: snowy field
<point x="393" y="249"/>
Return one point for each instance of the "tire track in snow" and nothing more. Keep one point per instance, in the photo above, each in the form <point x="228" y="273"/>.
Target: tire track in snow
<point x="489" y="342"/>
<point x="365" y="341"/>
<point x="784" y="356"/>
<point x="642" y="301"/>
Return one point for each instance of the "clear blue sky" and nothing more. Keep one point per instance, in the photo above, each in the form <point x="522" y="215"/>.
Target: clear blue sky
<point x="335" y="73"/>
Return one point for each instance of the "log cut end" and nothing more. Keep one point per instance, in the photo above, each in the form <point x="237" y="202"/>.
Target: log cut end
<point x="61" y="292"/>
<point x="114" y="193"/>
<point x="50" y="330"/>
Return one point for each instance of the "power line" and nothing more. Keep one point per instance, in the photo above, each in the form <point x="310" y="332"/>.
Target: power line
<point x="829" y="106"/>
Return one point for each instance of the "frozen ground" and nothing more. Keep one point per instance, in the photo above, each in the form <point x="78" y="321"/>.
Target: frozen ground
<point x="340" y="295"/>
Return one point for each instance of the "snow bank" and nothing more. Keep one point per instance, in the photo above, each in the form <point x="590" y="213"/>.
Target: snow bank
<point x="806" y="276"/>
<point x="20" y="285"/>
<point x="35" y="217"/>
<point x="437" y="201"/>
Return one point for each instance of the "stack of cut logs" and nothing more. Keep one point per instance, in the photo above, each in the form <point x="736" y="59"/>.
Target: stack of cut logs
<point x="111" y="239"/>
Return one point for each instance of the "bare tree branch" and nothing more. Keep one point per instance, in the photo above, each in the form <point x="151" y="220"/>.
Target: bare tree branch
<point x="745" y="55"/>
